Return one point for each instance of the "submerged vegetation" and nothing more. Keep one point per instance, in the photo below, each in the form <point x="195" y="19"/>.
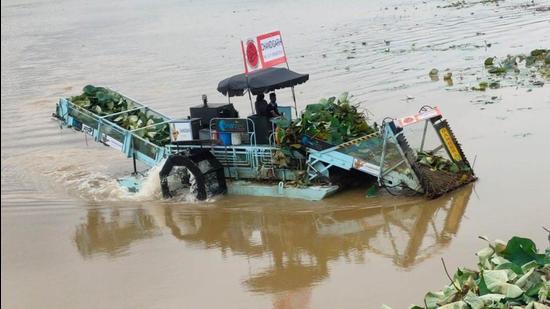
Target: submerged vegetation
<point x="104" y="102"/>
<point x="509" y="275"/>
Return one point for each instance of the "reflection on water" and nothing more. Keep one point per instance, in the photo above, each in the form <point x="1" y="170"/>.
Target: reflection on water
<point x="298" y="246"/>
<point x="112" y="234"/>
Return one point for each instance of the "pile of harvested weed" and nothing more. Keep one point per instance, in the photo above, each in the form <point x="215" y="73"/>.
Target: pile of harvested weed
<point x="438" y="182"/>
<point x="512" y="275"/>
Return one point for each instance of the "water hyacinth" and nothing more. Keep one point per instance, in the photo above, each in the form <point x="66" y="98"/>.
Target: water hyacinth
<point x="103" y="102"/>
<point x="334" y="120"/>
<point x="331" y="121"/>
<point x="510" y="275"/>
<point x="537" y="61"/>
<point x="437" y="163"/>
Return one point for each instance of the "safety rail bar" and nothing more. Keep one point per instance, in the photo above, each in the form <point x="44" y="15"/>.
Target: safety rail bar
<point x="241" y="155"/>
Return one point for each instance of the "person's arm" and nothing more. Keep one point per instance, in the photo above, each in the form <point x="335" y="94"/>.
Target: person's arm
<point x="271" y="110"/>
<point x="276" y="109"/>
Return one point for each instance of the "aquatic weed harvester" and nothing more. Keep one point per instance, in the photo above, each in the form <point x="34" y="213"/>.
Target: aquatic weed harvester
<point x="215" y="151"/>
<point x="330" y="146"/>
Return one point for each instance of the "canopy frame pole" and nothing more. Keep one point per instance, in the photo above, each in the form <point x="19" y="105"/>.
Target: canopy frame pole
<point x="292" y="89"/>
<point x="249" y="95"/>
<point x="295" y="105"/>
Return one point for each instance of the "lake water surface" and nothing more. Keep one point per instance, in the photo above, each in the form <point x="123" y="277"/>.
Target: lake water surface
<point x="72" y="238"/>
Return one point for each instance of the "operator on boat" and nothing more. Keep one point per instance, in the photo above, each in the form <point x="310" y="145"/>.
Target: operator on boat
<point x="272" y="108"/>
<point x="261" y="105"/>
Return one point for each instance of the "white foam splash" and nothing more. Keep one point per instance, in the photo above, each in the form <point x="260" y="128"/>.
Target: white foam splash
<point x="93" y="186"/>
<point x="91" y="174"/>
<point x="151" y="190"/>
<point x="150" y="186"/>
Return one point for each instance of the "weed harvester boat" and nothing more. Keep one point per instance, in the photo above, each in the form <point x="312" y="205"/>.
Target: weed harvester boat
<point x="214" y="151"/>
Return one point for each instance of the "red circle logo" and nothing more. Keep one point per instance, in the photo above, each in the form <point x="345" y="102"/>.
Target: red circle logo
<point x="251" y="54"/>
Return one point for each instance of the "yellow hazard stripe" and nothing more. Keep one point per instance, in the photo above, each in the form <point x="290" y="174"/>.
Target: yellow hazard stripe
<point x="358" y="140"/>
<point x="451" y="146"/>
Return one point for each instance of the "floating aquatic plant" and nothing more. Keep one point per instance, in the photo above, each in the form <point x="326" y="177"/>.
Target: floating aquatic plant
<point x="509" y="275"/>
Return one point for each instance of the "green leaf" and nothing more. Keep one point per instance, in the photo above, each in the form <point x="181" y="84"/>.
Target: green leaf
<point x="536" y="305"/>
<point x="110" y="105"/>
<point x="544" y="292"/>
<point x="140" y="133"/>
<point x="446" y="296"/>
<point x="96" y="109"/>
<point x="314" y="108"/>
<point x="474" y="301"/>
<point x="89" y="90"/>
<point x="433" y="299"/>
<point x="523" y="250"/>
<point x="528" y="280"/>
<point x="484" y="255"/>
<point x="463" y="276"/>
<point x="492" y="300"/>
<point x="497" y="282"/>
<point x="534" y="290"/>
<point x="453" y="167"/>
<point x="527" y="266"/>
<point x="497" y="70"/>
<point x="281" y="122"/>
<point x="133" y="119"/>
<point x="456" y="305"/>
<point x="343" y="97"/>
<point x="102" y="97"/>
<point x="483" y="289"/>
<point x="514" y="267"/>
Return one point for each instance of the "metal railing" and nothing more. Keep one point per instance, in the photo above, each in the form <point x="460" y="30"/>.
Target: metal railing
<point x="106" y="131"/>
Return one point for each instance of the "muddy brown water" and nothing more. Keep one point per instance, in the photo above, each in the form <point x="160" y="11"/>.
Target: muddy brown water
<point x="71" y="238"/>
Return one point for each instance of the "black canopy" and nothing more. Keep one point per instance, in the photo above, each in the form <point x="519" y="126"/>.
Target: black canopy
<point x="261" y="81"/>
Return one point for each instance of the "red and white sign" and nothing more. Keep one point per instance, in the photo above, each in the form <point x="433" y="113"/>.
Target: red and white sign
<point x="405" y="121"/>
<point x="272" y="49"/>
<point x="263" y="51"/>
